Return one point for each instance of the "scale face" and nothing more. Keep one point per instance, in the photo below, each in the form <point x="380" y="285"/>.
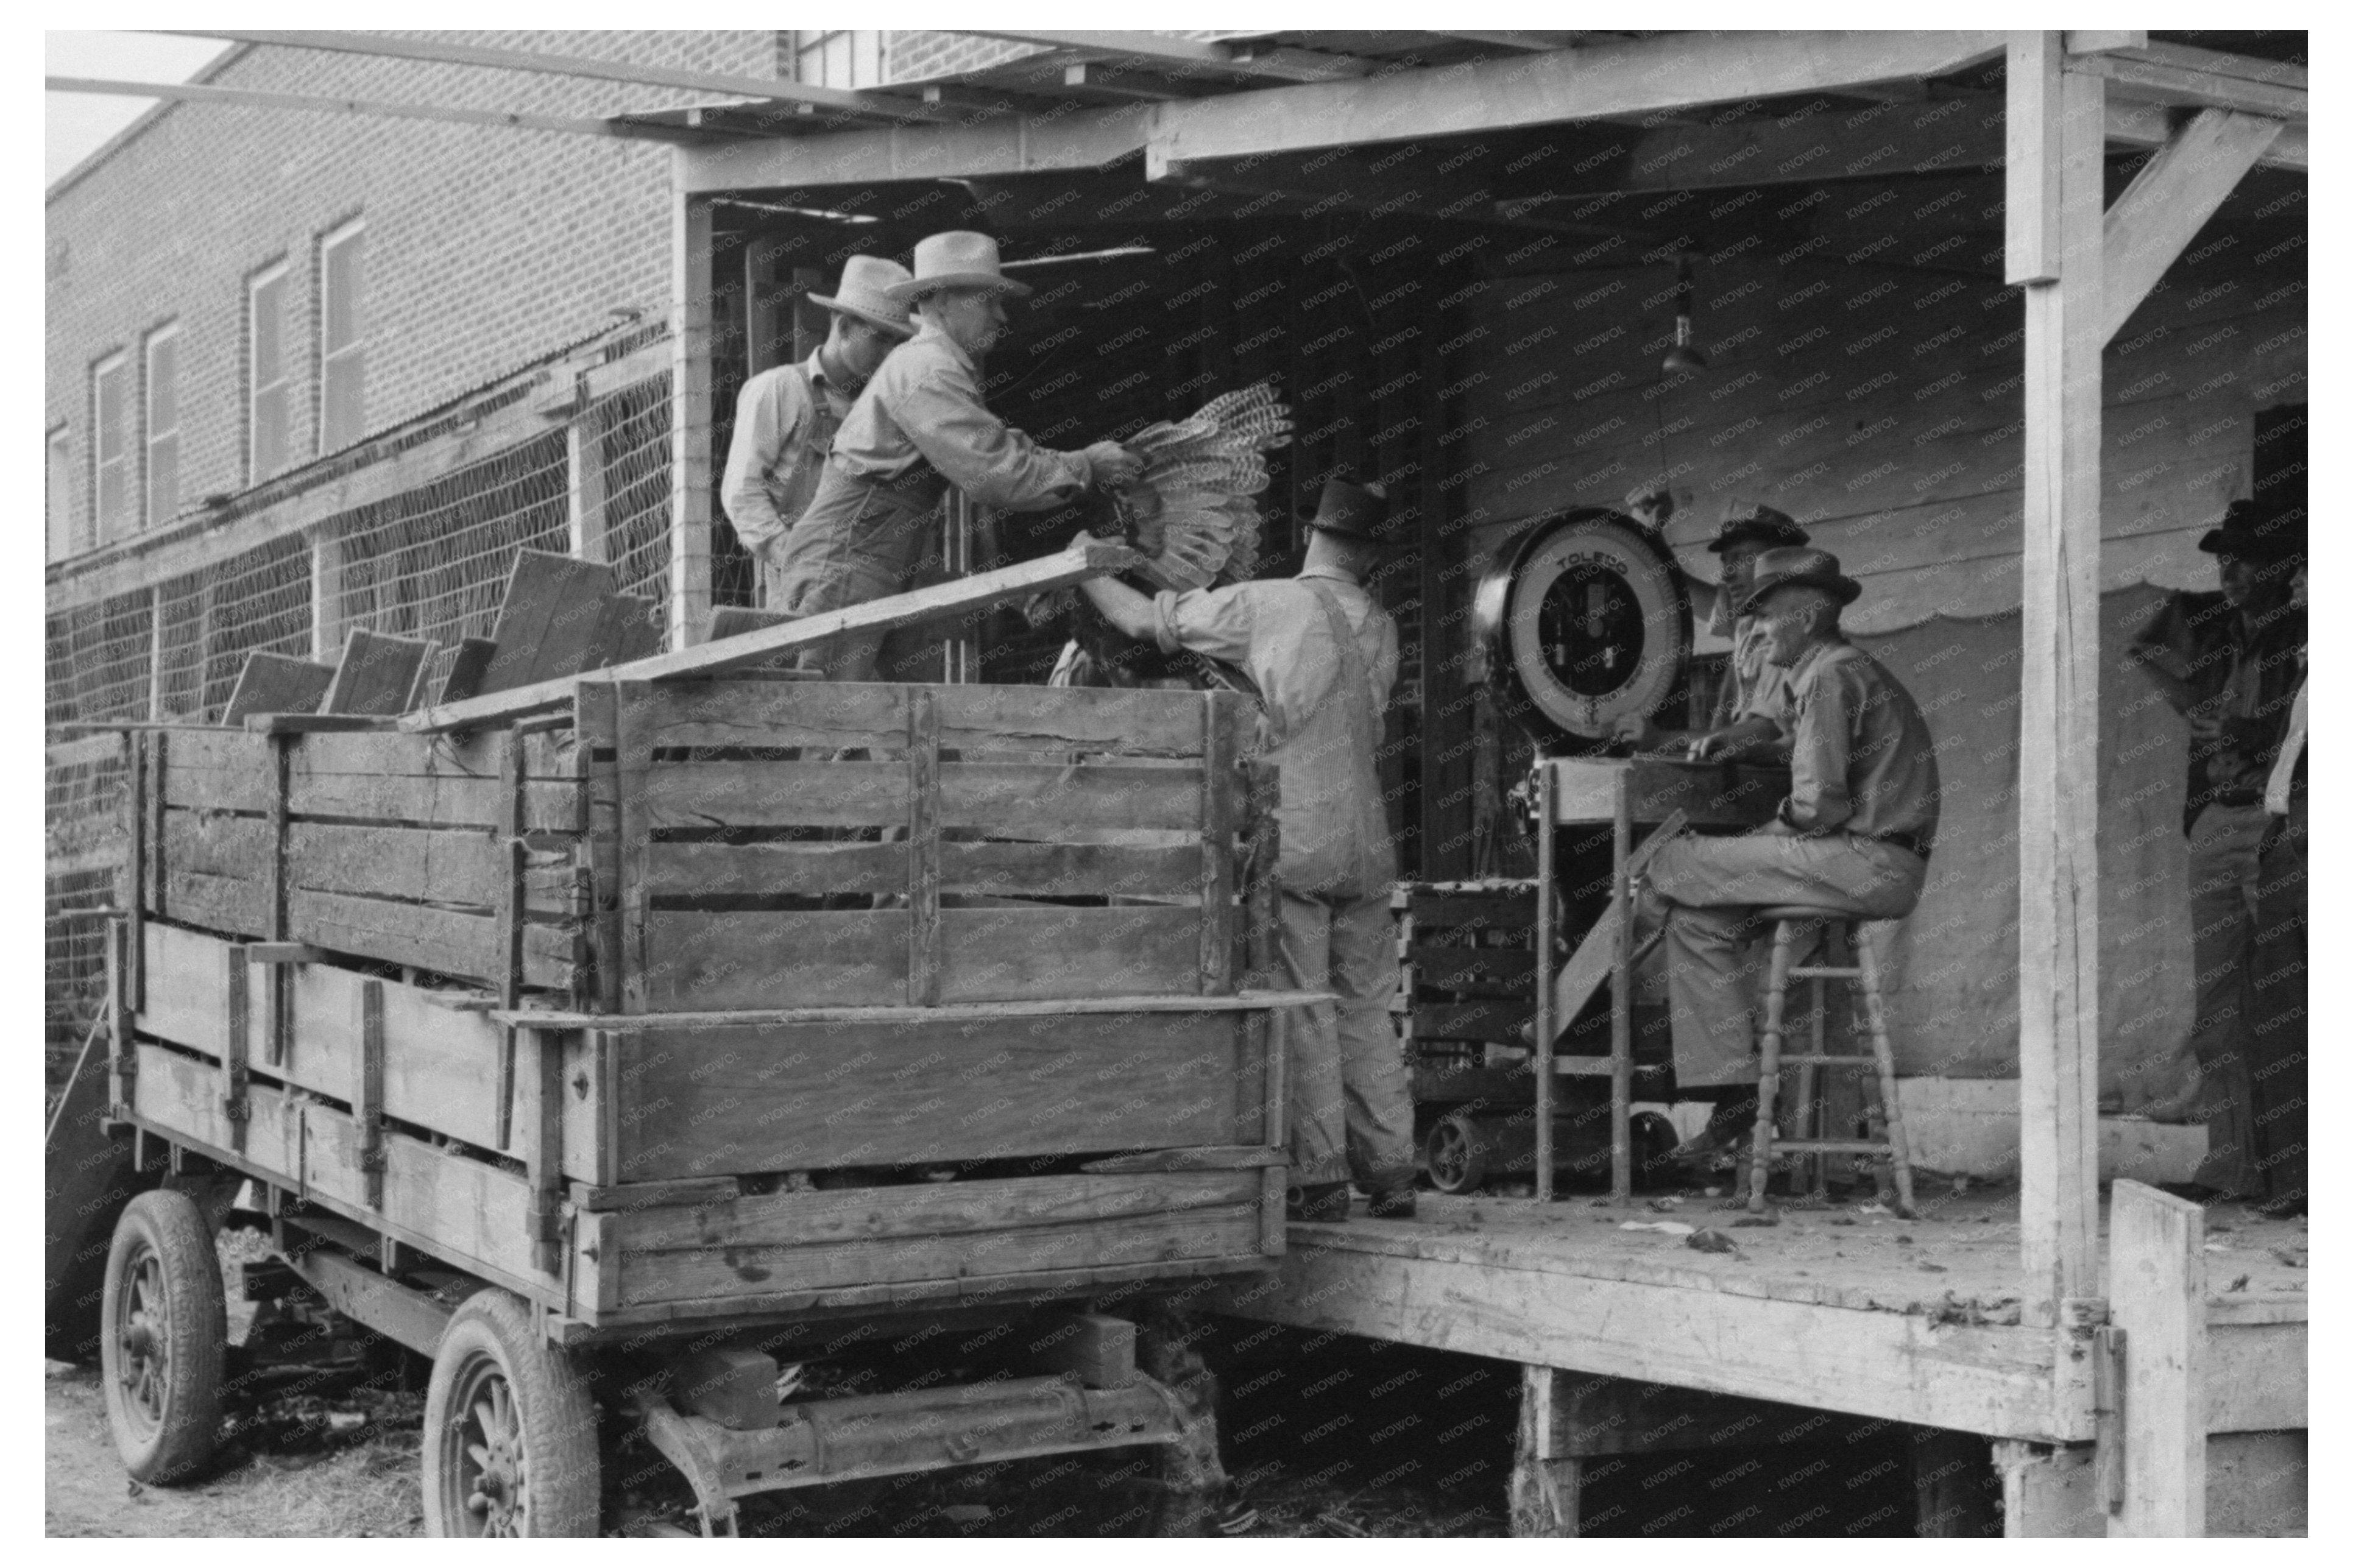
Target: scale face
<point x="1588" y="624"/>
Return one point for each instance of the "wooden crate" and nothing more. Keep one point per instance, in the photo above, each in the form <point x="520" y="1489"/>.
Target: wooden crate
<point x="624" y="1171"/>
<point x="995" y="843"/>
<point x="422" y="850"/>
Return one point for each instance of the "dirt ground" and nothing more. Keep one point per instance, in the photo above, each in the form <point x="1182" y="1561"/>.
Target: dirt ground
<point x="368" y="1488"/>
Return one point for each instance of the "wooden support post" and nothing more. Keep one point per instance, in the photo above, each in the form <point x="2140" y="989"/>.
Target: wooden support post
<point x="594" y="738"/>
<point x="326" y="593"/>
<point x="767" y="319"/>
<point x="2056" y="131"/>
<point x="235" y="1108"/>
<point x="2048" y="1490"/>
<point x="277" y="1029"/>
<point x="370" y="1104"/>
<point x="145" y="826"/>
<point x="923" y="848"/>
<point x="507" y="927"/>
<point x="1540" y="1059"/>
<point x="1621" y="992"/>
<point x="691" y="428"/>
<point x="1955" y="1488"/>
<point x="121" y="1054"/>
<point x="2157" y="1295"/>
<point x="583" y="459"/>
<point x="151" y="866"/>
<point x="633" y="758"/>
<point x="543" y="1150"/>
<point x="1220" y="781"/>
<point x="1275" y="1131"/>
<point x="2169" y="201"/>
<point x="1543" y="1495"/>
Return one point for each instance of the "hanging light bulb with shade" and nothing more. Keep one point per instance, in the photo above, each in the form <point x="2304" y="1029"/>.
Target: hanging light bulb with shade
<point x="1685" y="355"/>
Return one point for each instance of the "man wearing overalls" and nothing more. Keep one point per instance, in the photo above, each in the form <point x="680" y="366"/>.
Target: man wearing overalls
<point x="1324" y="656"/>
<point x="785" y="418"/>
<point x="920" y="427"/>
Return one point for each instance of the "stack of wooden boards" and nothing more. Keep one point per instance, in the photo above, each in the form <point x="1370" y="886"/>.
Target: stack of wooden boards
<point x="558" y="616"/>
<point x="707" y="933"/>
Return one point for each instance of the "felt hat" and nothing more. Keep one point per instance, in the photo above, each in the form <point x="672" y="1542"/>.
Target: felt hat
<point x="1794" y="566"/>
<point x="1351" y="511"/>
<point x="1746" y="519"/>
<point x="2253" y="531"/>
<point x="956" y="259"/>
<point x="865" y="293"/>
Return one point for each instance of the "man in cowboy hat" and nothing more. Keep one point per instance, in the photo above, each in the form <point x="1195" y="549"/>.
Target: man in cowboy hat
<point x="1323" y="654"/>
<point x="2231" y="664"/>
<point x="1854" y="832"/>
<point x="1752" y="702"/>
<point x="919" y="428"/>
<point x="786" y="417"/>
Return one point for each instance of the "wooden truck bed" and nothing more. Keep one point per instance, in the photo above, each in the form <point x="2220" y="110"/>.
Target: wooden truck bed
<point x="587" y="1013"/>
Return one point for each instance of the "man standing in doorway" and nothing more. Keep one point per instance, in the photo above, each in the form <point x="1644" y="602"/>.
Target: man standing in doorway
<point x="1853" y="834"/>
<point x="1325" y="657"/>
<point x="920" y="428"/>
<point x="2233" y="676"/>
<point x="785" y="418"/>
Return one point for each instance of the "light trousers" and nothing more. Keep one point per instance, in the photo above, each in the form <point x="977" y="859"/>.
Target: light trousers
<point x="1351" y="1101"/>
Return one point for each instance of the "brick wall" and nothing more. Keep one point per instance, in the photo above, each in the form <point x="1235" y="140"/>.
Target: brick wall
<point x="486" y="246"/>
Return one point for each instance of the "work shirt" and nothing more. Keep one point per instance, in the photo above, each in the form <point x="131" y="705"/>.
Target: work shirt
<point x="923" y="411"/>
<point x="2287" y="769"/>
<point x="1322" y="730"/>
<point x="2266" y="666"/>
<point x="785" y="420"/>
<point x="1861" y="758"/>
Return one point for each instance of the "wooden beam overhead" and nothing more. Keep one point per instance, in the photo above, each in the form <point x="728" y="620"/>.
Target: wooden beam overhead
<point x="1190" y="57"/>
<point x="2151" y="125"/>
<point x="245" y="98"/>
<point x="2171" y="84"/>
<point x="1534" y="43"/>
<point x="1670" y="71"/>
<point x="385" y="46"/>
<point x="2169" y="201"/>
<point x="1084" y="139"/>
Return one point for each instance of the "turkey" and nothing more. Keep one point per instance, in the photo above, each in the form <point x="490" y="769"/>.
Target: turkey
<point x="1192" y="509"/>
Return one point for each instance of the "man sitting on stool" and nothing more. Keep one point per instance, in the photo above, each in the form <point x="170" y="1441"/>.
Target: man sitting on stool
<point x="1853" y="834"/>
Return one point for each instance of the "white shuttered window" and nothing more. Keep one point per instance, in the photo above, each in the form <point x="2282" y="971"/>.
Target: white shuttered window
<point x="343" y="340"/>
<point x="162" y="425"/>
<point x="111" y="464"/>
<point x="270" y="418"/>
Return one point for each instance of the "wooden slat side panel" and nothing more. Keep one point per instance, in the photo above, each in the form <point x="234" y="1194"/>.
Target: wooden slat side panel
<point x="429" y="802"/>
<point x="225" y="770"/>
<point x="1044" y="799"/>
<point x="946" y="1208"/>
<point x="449" y="941"/>
<point x="1226" y="1231"/>
<point x="188" y="988"/>
<point x="216" y="844"/>
<point x="412" y="863"/>
<point x="1012" y="954"/>
<point x="218" y="903"/>
<point x="775" y="795"/>
<point x="808" y="1097"/>
<point x="813" y="958"/>
<point x="799" y="868"/>
<point x="830" y="716"/>
<point x="1071" y="870"/>
<point x="377" y="754"/>
<point x="1078" y="719"/>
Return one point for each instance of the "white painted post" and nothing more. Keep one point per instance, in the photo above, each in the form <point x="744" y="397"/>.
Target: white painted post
<point x="2057" y="136"/>
<point x="2157" y="1295"/>
<point x="690" y="417"/>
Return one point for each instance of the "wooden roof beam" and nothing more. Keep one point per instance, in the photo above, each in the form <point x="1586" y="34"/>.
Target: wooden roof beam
<point x="245" y="98"/>
<point x="1010" y="144"/>
<point x="1670" y="71"/>
<point x="383" y="46"/>
<point x="1194" y="57"/>
<point x="1531" y="42"/>
<point x="2160" y="81"/>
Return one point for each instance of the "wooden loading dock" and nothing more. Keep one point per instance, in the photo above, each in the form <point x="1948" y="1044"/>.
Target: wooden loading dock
<point x="1489" y="341"/>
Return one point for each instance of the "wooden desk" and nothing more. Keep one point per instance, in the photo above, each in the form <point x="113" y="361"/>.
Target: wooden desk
<point x="1624" y="793"/>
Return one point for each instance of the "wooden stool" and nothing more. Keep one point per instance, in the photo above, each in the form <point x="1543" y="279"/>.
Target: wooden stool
<point x="1838" y="927"/>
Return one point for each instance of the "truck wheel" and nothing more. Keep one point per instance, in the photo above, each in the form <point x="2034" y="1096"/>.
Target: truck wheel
<point x="1457" y="1153"/>
<point x="166" y="1335"/>
<point x="510" y="1433"/>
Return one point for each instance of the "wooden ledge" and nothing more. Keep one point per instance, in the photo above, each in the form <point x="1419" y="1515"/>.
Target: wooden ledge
<point x="640" y="1022"/>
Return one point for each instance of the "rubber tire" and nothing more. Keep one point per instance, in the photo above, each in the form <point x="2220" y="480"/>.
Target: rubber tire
<point x="171" y="1226"/>
<point x="558" y="1419"/>
<point x="1473" y="1175"/>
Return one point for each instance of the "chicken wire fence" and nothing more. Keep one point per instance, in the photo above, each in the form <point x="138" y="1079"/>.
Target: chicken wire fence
<point x="428" y="562"/>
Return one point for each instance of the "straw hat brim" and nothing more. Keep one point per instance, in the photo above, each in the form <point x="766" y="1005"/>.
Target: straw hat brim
<point x="916" y="288"/>
<point x="887" y="323"/>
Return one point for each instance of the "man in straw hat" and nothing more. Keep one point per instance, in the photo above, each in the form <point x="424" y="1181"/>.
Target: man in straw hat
<point x="1752" y="702"/>
<point x="1323" y="654"/>
<point x="1854" y="832"/>
<point x="785" y="418"/>
<point x="2231" y="664"/>
<point x="919" y="428"/>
